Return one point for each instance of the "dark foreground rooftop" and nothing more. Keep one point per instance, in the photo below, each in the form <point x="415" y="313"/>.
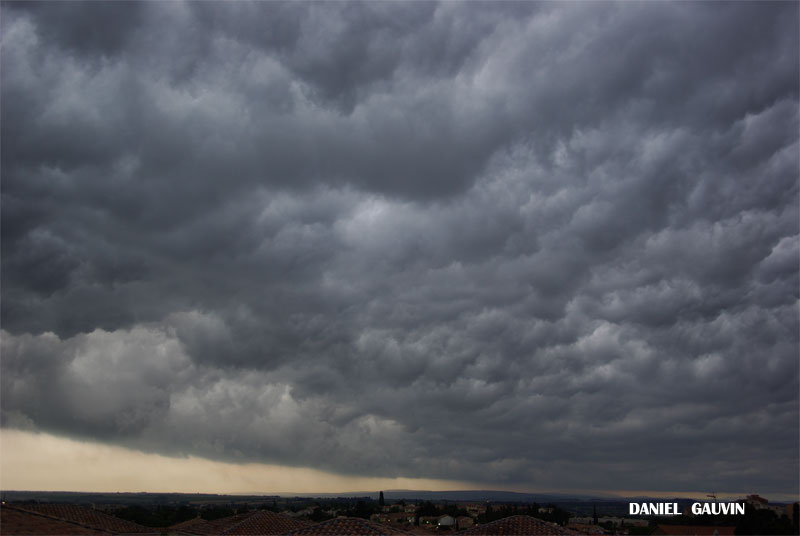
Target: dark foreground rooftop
<point x="65" y="519"/>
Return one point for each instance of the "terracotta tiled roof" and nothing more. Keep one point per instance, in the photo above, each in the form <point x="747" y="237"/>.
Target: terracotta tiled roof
<point x="347" y="526"/>
<point x="266" y="522"/>
<point x="260" y="522"/>
<point x="217" y="526"/>
<point x="694" y="530"/>
<point x="518" y="526"/>
<point x="87" y="517"/>
<point x="188" y="523"/>
<point x="15" y="522"/>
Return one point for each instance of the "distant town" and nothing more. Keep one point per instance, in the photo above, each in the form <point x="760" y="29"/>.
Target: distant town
<point x="66" y="513"/>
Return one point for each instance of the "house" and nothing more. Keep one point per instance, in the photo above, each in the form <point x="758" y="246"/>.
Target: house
<point x="300" y="513"/>
<point x="475" y="510"/>
<point x="429" y="520"/>
<point x="393" y="518"/>
<point x="446" y="522"/>
<point x="757" y="501"/>
<point x="464" y="522"/>
<point x="792" y="512"/>
<point x="760" y="503"/>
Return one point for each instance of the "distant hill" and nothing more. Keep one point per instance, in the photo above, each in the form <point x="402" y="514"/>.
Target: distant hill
<point x="412" y="495"/>
<point x="488" y="495"/>
<point x="125" y="498"/>
<point x="576" y="503"/>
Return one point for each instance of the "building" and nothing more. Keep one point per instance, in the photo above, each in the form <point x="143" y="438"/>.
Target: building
<point x="756" y="501"/>
<point x="792" y="511"/>
<point x="464" y="522"/>
<point x="618" y="521"/>
<point x="446" y="522"/>
<point x="760" y="503"/>
<point x="474" y="509"/>
<point x="393" y="518"/>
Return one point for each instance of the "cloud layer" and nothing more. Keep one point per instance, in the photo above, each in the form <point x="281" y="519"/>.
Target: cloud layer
<point x="551" y="245"/>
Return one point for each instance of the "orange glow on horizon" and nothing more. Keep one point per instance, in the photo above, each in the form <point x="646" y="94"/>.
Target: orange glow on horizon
<point x="31" y="461"/>
<point x="44" y="462"/>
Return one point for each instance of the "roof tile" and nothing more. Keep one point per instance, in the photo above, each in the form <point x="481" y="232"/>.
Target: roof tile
<point x="14" y="521"/>
<point x="519" y="526"/>
<point x="260" y="522"/>
<point x="88" y="517"/>
<point x="347" y="526"/>
<point x="695" y="530"/>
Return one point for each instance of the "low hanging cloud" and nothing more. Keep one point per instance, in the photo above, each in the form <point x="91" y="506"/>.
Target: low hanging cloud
<point x="543" y="245"/>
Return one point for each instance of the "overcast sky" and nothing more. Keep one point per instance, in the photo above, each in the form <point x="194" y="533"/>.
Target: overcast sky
<point x="521" y="245"/>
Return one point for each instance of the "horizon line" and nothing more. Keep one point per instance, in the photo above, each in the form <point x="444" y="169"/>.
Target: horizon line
<point x="609" y="495"/>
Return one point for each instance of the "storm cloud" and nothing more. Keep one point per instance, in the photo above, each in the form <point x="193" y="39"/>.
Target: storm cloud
<point x="552" y="245"/>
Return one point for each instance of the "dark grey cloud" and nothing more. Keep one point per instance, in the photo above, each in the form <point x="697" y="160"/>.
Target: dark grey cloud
<point x="552" y="245"/>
